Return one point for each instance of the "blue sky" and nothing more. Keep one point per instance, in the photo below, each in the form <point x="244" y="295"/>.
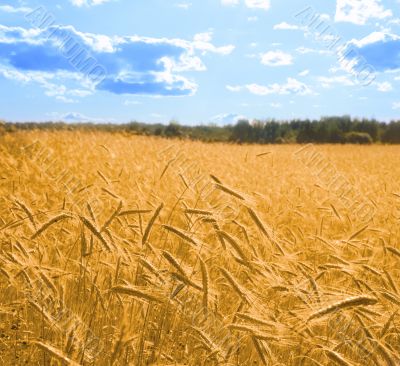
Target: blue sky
<point x="209" y="61"/>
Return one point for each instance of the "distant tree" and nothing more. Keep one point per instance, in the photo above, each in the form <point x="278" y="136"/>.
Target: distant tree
<point x="342" y="129"/>
<point x="362" y="138"/>
<point x="392" y="133"/>
<point x="272" y="131"/>
<point x="369" y="126"/>
<point x="173" y="130"/>
<point x="158" y="131"/>
<point x="133" y="127"/>
<point x="306" y="132"/>
<point x="257" y="132"/>
<point x="242" y="131"/>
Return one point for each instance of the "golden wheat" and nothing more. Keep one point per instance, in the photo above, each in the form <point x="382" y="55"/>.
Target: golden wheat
<point x="267" y="263"/>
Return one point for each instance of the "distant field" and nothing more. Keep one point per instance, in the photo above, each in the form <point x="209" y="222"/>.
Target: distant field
<point x="121" y="250"/>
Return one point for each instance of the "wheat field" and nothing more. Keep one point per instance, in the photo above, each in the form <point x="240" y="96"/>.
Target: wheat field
<point x="129" y="250"/>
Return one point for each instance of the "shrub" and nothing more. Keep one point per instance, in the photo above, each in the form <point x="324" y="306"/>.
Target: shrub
<point x="362" y="138"/>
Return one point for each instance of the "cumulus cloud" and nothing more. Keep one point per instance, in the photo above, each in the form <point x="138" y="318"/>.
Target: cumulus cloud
<point x="276" y="58"/>
<point x="286" y="26"/>
<point x="360" y="11"/>
<point x="379" y="50"/>
<point x="292" y="86"/>
<point x="62" y="86"/>
<point x="202" y="42"/>
<point x="129" y="65"/>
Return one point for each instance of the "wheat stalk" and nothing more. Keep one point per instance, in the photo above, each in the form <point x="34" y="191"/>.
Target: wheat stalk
<point x="49" y="223"/>
<point x="336" y="357"/>
<point x="363" y="300"/>
<point x="238" y="289"/>
<point x="137" y="292"/>
<point x="180" y="234"/>
<point x="205" y="281"/>
<point x="56" y="353"/>
<point x="151" y="223"/>
<point x="28" y="213"/>
<point x="96" y="232"/>
<point x="229" y="191"/>
<point x="112" y="217"/>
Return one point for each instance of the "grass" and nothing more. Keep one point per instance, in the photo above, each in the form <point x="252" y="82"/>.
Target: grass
<point x="121" y="250"/>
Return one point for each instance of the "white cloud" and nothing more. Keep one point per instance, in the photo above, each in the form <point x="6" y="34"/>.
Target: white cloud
<point x="378" y="50"/>
<point x="52" y="83"/>
<point x="252" y="4"/>
<point x="304" y="73"/>
<point x="227" y="118"/>
<point x="183" y="5"/>
<point x="64" y="99"/>
<point x="203" y="37"/>
<point x="360" y="11"/>
<point x="80" y="3"/>
<point x="384" y="87"/>
<point x="292" y="86"/>
<point x="131" y="102"/>
<point x="230" y="2"/>
<point x="75" y="117"/>
<point x="305" y="50"/>
<point x="276" y="105"/>
<point x="233" y="88"/>
<point x="276" y="58"/>
<point x="396" y="105"/>
<point x="163" y="73"/>
<point x="202" y="42"/>
<point x="11" y="9"/>
<point x="324" y="17"/>
<point x="260" y="4"/>
<point x="374" y="37"/>
<point x="286" y="26"/>
<point x="327" y="82"/>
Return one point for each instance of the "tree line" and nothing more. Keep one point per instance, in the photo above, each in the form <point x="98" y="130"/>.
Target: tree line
<point x="336" y="130"/>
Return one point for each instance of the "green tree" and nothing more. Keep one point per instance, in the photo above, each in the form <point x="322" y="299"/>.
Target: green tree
<point x="242" y="131"/>
<point x="173" y="130"/>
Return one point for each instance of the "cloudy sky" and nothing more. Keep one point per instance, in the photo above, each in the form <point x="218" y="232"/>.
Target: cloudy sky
<point x="198" y="61"/>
